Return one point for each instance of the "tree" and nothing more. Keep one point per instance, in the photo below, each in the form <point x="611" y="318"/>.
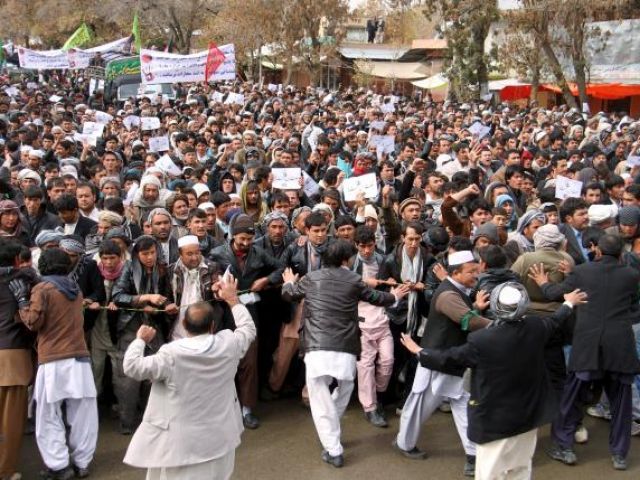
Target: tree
<point x="466" y="24"/>
<point x="302" y="31"/>
<point x="562" y="31"/>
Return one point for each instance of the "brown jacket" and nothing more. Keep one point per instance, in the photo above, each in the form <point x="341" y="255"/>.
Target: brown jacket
<point x="58" y="322"/>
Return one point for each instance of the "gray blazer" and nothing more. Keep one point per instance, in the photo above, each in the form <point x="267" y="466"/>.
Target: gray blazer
<point x="193" y="397"/>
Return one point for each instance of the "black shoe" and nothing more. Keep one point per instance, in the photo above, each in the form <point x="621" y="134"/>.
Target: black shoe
<point x="268" y="395"/>
<point x="81" y="472"/>
<point x="337" y="461"/>
<point x="63" y="474"/>
<point x="469" y="469"/>
<point x="564" y="455"/>
<point x="250" y="421"/>
<point x="619" y="462"/>
<point x="126" y="430"/>
<point x="414" y="454"/>
<point x="376" y="419"/>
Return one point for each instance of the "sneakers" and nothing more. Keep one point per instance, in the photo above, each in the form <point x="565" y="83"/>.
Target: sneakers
<point x="336" y="461"/>
<point x="376" y="419"/>
<point x="413" y="454"/>
<point x="635" y="429"/>
<point x="564" y="455"/>
<point x="445" y="407"/>
<point x="599" y="411"/>
<point x="250" y="421"/>
<point x="469" y="469"/>
<point x="581" y="435"/>
<point x="619" y="462"/>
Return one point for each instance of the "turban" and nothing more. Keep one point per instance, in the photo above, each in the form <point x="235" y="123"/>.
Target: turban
<point x="150" y="180"/>
<point x="548" y="236"/>
<point x="110" y="217"/>
<point x="72" y="244"/>
<point x="296" y="213"/>
<point x="28" y="173"/>
<point x="272" y="217"/>
<point x="509" y="301"/>
<point x="158" y="211"/>
<point x="48" y="236"/>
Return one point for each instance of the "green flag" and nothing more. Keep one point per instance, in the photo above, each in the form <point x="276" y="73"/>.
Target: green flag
<point x="135" y="30"/>
<point x="2" y="54"/>
<point x="81" y="36"/>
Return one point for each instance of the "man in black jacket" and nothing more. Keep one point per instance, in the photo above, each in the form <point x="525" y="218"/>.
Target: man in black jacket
<point x="69" y="213"/>
<point x="603" y="348"/>
<point x="330" y="337"/>
<point x="255" y="271"/>
<point x="511" y="395"/>
<point x="35" y="217"/>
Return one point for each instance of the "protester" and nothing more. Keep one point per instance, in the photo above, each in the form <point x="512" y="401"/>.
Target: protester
<point x="53" y="309"/>
<point x="192" y="393"/>
<point x="482" y="177"/>
<point x="331" y="343"/>
<point x="507" y="410"/>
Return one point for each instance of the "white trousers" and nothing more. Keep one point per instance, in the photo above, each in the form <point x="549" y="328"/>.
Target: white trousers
<point x="218" y="469"/>
<point x="419" y="407"/>
<point x="327" y="409"/>
<point x="81" y="417"/>
<point x="507" y="459"/>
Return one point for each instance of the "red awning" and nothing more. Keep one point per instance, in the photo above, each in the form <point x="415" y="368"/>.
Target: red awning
<point x="605" y="91"/>
<point x="515" y="92"/>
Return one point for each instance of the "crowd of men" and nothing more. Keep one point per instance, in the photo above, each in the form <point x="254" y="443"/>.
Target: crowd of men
<point x="107" y="245"/>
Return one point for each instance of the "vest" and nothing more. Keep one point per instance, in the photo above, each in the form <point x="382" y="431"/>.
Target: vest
<point x="441" y="332"/>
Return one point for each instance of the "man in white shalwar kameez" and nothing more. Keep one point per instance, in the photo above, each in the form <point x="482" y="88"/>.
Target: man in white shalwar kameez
<point x="451" y="316"/>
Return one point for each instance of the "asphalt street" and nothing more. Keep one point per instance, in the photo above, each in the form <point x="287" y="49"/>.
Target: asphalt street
<point x="286" y="446"/>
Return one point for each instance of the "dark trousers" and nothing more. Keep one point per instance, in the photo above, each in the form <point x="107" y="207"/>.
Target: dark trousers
<point x="247" y="377"/>
<point x="576" y="395"/>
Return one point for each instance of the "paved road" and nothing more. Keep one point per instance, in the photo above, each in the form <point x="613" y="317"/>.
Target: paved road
<point x="286" y="447"/>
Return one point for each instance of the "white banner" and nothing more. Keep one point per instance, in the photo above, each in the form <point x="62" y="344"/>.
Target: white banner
<point x="45" y="60"/>
<point x="164" y="67"/>
<point x="73" y="58"/>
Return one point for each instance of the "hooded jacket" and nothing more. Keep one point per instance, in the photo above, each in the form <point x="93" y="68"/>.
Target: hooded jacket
<point x="55" y="313"/>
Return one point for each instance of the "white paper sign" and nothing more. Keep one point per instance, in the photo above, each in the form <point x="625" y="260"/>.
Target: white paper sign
<point x="12" y="91"/>
<point x="103" y="117"/>
<point x="55" y="98"/>
<point x="366" y="184"/>
<point x="164" y="67"/>
<point x="286" y="178"/>
<point x="149" y="123"/>
<point x="86" y="138"/>
<point x="159" y="144"/>
<point x="567" y="188"/>
<point x="272" y="87"/>
<point x="166" y="164"/>
<point x="217" y="97"/>
<point x="310" y="188"/>
<point x="387" y="108"/>
<point x="479" y="130"/>
<point x="93" y="128"/>
<point x="239" y="99"/>
<point x="131" y="121"/>
<point x="32" y="85"/>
